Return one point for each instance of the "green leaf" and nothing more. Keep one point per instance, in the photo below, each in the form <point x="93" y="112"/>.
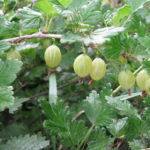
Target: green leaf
<point x="26" y="46"/>
<point x="106" y="90"/>
<point x="116" y="127"/>
<point x="136" y="145"/>
<point x="99" y="140"/>
<point x="98" y="36"/>
<point x="9" y="28"/>
<point x="4" y="46"/>
<point x="52" y="88"/>
<point x="17" y="104"/>
<point x="13" y="129"/>
<point x="85" y="11"/>
<point x="115" y="49"/>
<point x="30" y="19"/>
<point x="6" y="97"/>
<point x="46" y="7"/>
<point x="98" y="113"/>
<point x="122" y="12"/>
<point x="57" y="115"/>
<point x="26" y="142"/>
<point x="61" y="3"/>
<point x="8" y="71"/>
<point x="65" y="3"/>
<point x="123" y="106"/>
<point x="2" y="20"/>
<point x="102" y="35"/>
<point x="136" y="4"/>
<point x="146" y="65"/>
<point x="146" y="115"/>
<point x="68" y="59"/>
<point x="126" y="97"/>
<point x="145" y="41"/>
<point x="77" y="131"/>
<point x="36" y="72"/>
<point x="71" y="38"/>
<point x="108" y="17"/>
<point x="134" y="128"/>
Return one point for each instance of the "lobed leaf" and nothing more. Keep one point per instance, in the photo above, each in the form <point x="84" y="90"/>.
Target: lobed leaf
<point x="57" y="116"/>
<point x="8" y="71"/>
<point x="26" y="142"/>
<point x="6" y="97"/>
<point x="17" y="104"/>
<point x="99" y="140"/>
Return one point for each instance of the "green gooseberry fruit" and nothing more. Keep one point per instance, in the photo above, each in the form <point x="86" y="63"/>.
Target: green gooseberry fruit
<point x="14" y="55"/>
<point x="141" y="79"/>
<point x="82" y="65"/>
<point x="126" y="79"/>
<point x="147" y="86"/>
<point x="52" y="56"/>
<point x="98" y="69"/>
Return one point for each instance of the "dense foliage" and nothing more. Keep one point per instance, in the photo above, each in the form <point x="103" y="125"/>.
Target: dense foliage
<point x="74" y="74"/>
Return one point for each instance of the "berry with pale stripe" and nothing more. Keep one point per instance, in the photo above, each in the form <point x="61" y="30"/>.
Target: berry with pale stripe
<point x="82" y="65"/>
<point x="52" y="56"/>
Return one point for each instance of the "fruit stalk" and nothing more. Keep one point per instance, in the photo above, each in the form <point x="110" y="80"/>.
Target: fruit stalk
<point x="52" y="88"/>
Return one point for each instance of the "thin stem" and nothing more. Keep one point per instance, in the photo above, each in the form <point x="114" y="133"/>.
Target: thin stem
<point x="98" y="52"/>
<point x="135" y="72"/>
<point x="86" y="136"/>
<point x="83" y="48"/>
<point x="116" y="90"/>
<point x="49" y="24"/>
<point x="127" y="20"/>
<point x="143" y="141"/>
<point x="52" y="88"/>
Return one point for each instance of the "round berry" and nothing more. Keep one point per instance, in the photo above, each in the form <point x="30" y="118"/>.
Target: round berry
<point x="82" y="65"/>
<point x="52" y="56"/>
<point x="126" y="79"/>
<point x="141" y="79"/>
<point x="13" y="55"/>
<point x="98" y="69"/>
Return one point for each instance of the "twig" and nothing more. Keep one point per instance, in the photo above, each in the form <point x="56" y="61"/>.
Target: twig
<point x="60" y="87"/>
<point x="78" y="115"/>
<point x="40" y="94"/>
<point x="60" y="147"/>
<point x="30" y="36"/>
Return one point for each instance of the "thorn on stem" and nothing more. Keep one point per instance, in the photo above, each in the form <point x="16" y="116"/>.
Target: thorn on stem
<point x="49" y="72"/>
<point x="80" y="80"/>
<point x="129" y="92"/>
<point x="90" y="82"/>
<point x="92" y="46"/>
<point x="144" y="94"/>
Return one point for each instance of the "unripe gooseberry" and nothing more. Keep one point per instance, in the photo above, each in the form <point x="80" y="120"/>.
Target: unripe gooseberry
<point x="82" y="65"/>
<point x="46" y="43"/>
<point x="126" y="79"/>
<point x="141" y="79"/>
<point x="147" y="86"/>
<point x="52" y="56"/>
<point x="98" y="69"/>
<point x="13" y="55"/>
<point x="122" y="59"/>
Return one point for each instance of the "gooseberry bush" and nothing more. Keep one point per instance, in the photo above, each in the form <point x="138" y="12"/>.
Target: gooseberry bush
<point x="74" y="74"/>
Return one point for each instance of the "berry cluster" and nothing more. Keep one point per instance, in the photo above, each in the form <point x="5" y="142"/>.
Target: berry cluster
<point x="84" y="66"/>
